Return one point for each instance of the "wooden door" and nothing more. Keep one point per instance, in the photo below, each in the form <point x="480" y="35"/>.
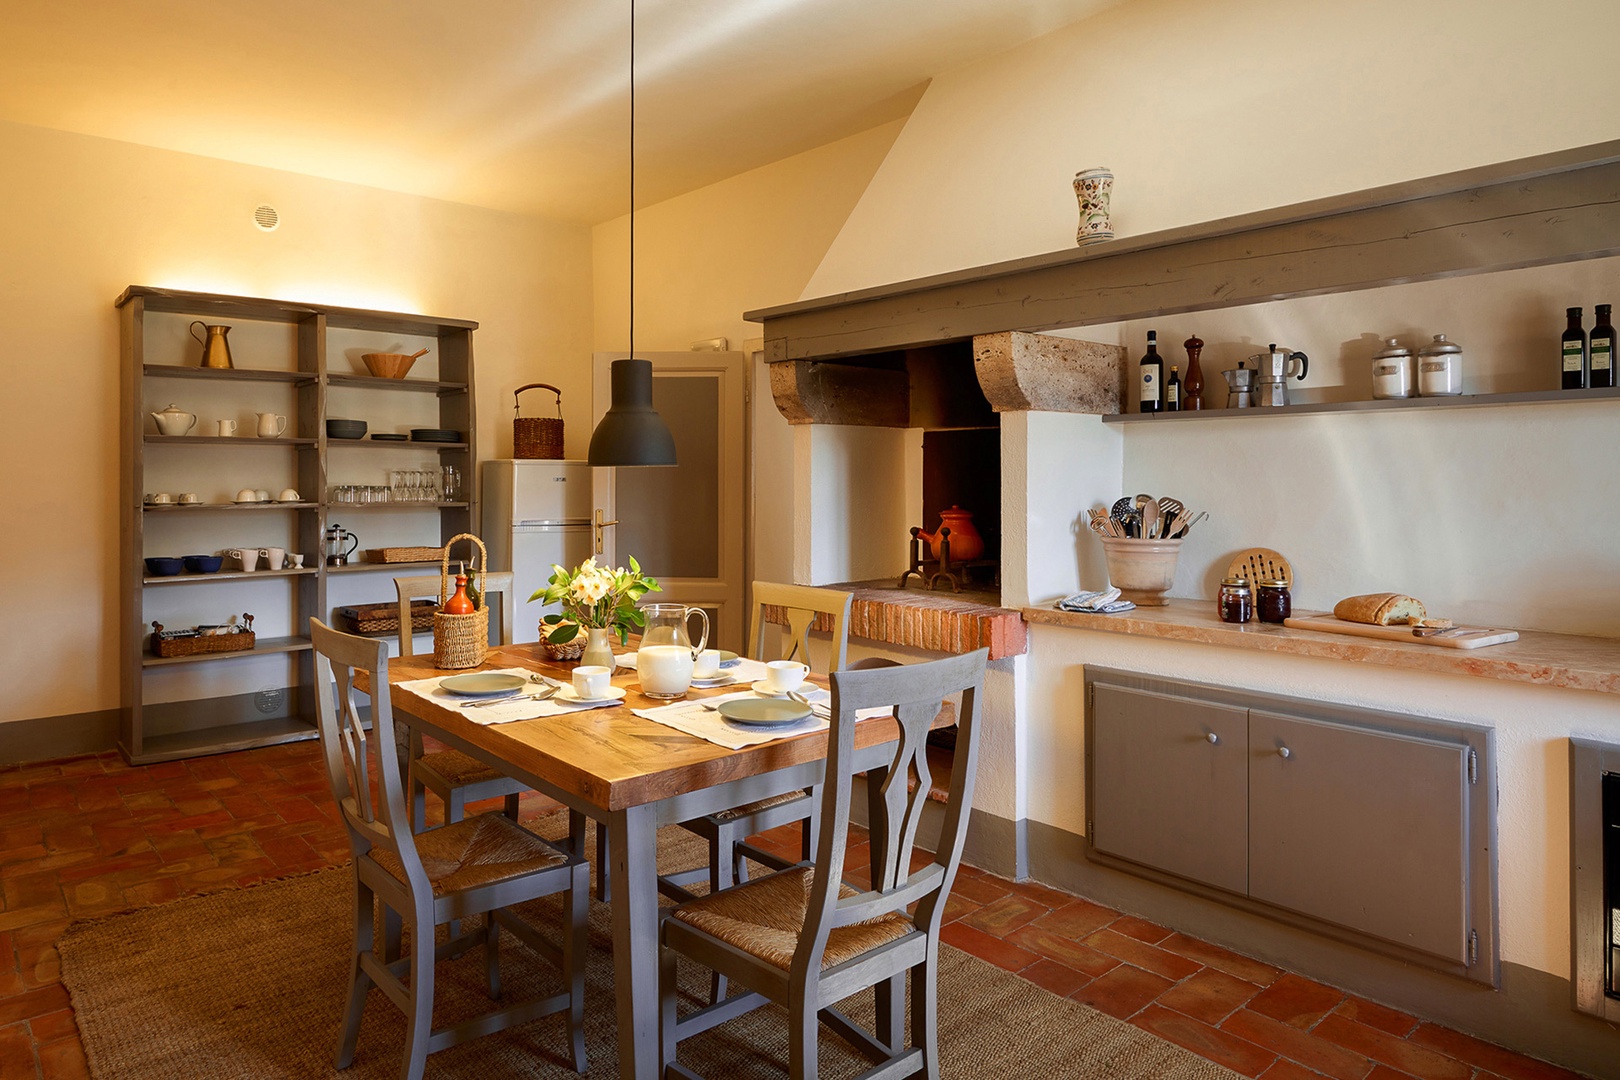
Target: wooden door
<point x="686" y="524"/>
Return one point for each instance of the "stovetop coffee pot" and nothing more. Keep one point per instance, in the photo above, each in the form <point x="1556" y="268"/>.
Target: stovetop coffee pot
<point x="1239" y="386"/>
<point x="1276" y="367"/>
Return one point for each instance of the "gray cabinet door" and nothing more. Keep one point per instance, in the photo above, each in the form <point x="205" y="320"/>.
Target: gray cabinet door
<point x="1364" y="828"/>
<point x="1169" y="787"/>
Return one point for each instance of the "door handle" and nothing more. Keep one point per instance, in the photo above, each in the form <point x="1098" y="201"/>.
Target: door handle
<point x="600" y="525"/>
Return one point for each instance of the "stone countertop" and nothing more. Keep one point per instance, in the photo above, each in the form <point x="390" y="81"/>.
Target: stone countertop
<point x="1563" y="660"/>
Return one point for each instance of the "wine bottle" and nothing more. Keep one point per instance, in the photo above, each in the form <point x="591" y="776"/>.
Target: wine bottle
<point x="1576" y="363"/>
<point x="1601" y="349"/>
<point x="1172" y="390"/>
<point x="1152" y="372"/>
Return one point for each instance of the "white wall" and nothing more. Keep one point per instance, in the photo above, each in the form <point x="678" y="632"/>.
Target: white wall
<point x="86" y="217"/>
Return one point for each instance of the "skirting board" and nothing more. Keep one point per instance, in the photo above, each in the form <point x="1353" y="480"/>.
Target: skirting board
<point x="1532" y="1013"/>
<point x="48" y="738"/>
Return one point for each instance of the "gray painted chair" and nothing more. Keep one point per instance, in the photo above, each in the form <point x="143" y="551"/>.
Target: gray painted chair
<point x="802" y="938"/>
<point x="456" y="778"/>
<point x="728" y="830"/>
<point x="482" y="865"/>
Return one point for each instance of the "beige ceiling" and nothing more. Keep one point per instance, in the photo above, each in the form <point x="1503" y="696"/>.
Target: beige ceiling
<point x="514" y="104"/>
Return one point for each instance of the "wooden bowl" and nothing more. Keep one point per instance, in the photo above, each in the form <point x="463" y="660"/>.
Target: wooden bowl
<point x="389" y="365"/>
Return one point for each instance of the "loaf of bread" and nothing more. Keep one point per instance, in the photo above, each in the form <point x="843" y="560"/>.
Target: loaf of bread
<point x="1379" y="609"/>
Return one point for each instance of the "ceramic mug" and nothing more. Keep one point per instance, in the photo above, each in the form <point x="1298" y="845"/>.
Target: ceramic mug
<point x="288" y="495"/>
<point x="271" y="426"/>
<point x="275" y="558"/>
<point x="591" y="682"/>
<point x="784" y="676"/>
<point x="706" y="665"/>
<point x="189" y="499"/>
<point x="162" y="498"/>
<point x="248" y="557"/>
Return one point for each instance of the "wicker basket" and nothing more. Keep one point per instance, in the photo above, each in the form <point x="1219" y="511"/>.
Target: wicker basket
<point x="568" y="650"/>
<point x="461" y="641"/>
<point x="537" y="438"/>
<point x="193" y="646"/>
<point x="384" y="618"/>
<point x="403" y="554"/>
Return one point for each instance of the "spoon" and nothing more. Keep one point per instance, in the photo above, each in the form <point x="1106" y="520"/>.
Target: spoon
<point x="1121" y="508"/>
<point x="1150" y="519"/>
<point x="539" y="695"/>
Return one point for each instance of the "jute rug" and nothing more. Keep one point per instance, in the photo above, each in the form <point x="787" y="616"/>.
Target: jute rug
<point x="250" y="984"/>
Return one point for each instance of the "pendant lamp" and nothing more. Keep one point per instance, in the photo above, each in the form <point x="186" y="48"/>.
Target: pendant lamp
<point x="632" y="432"/>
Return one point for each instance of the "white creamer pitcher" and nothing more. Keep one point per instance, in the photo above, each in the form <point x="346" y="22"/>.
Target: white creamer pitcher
<point x="664" y="660"/>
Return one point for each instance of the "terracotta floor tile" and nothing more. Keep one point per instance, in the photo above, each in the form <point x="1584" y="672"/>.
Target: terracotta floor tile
<point x="1043" y="894"/>
<point x="982" y="888"/>
<point x="1053" y="976"/>
<point x="1297" y="1001"/>
<point x="1122" y="992"/>
<point x="1224" y="959"/>
<point x="1002" y="917"/>
<point x="1000" y="953"/>
<point x="26" y="1006"/>
<point x="1148" y="957"/>
<point x="1298" y="1046"/>
<point x="1384" y="1072"/>
<point x="1140" y="929"/>
<point x="63" y="1060"/>
<point x="1208" y="995"/>
<point x="17" y="1053"/>
<point x="1064" y="950"/>
<point x="30" y="916"/>
<point x="1408" y="1056"/>
<point x="53" y="1026"/>
<point x="1077" y="918"/>
<point x="1483" y="1055"/>
<point x="956" y="906"/>
<point x="1207" y="1042"/>
<point x="1378" y="1016"/>
<point x="1288" y="1070"/>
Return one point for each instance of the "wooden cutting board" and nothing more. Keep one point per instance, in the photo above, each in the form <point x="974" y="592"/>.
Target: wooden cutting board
<point x="1463" y="637"/>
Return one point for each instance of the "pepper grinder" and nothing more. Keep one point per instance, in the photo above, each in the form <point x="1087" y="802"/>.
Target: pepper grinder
<point x="1192" y="387"/>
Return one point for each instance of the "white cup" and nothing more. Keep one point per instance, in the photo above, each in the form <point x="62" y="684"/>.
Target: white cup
<point x="246" y="495"/>
<point x="783" y="676"/>
<point x="275" y="557"/>
<point x="248" y="557"/>
<point x="162" y="498"/>
<point x="288" y="495"/>
<point x="706" y="665"/>
<point x="591" y="682"/>
<point x="297" y="561"/>
<point x="261" y="495"/>
<point x="189" y="499"/>
<point x="227" y="428"/>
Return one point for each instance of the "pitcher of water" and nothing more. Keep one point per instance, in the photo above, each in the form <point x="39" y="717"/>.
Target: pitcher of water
<point x="664" y="661"/>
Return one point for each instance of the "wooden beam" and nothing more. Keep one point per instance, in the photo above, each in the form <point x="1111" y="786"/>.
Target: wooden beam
<point x="1548" y="209"/>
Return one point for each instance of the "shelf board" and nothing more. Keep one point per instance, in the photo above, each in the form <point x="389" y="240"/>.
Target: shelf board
<point x="346" y="507"/>
<point x="187" y="302"/>
<point x="367" y="567"/>
<point x="169" y="508"/>
<point x="1463" y="401"/>
<point x="264" y="647"/>
<point x="218" y="740"/>
<point x="225" y="575"/>
<point x="218" y="440"/>
<point x="406" y="444"/>
<point x="175" y="371"/>
<point x="375" y="382"/>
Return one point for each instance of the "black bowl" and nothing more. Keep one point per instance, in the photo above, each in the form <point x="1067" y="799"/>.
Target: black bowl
<point x="161" y="567"/>
<point x="345" y="429"/>
<point x="203" y="564"/>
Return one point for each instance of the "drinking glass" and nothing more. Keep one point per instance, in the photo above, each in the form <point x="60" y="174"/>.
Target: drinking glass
<point x="450" y="478"/>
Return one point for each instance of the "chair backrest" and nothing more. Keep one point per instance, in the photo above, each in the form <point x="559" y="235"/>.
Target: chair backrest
<point x="373" y="808"/>
<point x="801" y="604"/>
<point x="914" y="694"/>
<point x="426" y="586"/>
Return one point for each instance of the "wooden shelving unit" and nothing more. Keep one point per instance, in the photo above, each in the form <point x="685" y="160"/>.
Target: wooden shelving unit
<point x="161" y="730"/>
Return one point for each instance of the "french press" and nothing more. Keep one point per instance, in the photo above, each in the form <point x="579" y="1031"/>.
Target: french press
<point x="332" y="546"/>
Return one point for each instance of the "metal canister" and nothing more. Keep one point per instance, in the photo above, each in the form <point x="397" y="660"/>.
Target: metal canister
<point x="1393" y="374"/>
<point x="1440" y="368"/>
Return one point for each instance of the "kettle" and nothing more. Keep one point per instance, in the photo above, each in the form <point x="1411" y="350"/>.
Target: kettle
<point x="332" y="546"/>
<point x="216" y="352"/>
<point x="966" y="543"/>
<point x="174" y="420"/>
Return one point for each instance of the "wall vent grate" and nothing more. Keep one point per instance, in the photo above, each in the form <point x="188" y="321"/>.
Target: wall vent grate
<point x="266" y="218"/>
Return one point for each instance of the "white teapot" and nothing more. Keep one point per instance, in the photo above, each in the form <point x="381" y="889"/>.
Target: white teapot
<point x="174" y="420"/>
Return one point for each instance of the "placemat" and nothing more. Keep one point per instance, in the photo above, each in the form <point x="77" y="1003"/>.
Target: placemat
<point x="518" y="708"/>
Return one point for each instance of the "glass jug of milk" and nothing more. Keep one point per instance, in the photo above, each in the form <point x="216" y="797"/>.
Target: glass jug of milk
<point x="664" y="661"/>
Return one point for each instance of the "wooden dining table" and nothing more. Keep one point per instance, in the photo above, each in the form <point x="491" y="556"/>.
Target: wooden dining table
<point x="635" y="775"/>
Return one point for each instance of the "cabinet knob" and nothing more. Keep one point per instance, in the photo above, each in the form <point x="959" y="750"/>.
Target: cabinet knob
<point x="1282" y="751"/>
<point x="1214" y="739"/>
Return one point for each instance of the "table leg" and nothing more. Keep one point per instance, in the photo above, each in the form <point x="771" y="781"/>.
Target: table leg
<point x="633" y="843"/>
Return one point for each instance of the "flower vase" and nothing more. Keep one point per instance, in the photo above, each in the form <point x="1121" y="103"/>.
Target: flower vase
<point x="1095" y="190"/>
<point x="598" y="651"/>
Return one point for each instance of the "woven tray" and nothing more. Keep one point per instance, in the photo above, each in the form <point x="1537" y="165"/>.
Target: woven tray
<point x="192" y="646"/>
<point x="379" y="618"/>
<point x="403" y="554"/>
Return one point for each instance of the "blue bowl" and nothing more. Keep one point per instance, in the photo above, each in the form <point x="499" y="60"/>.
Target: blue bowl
<point x="163" y="567"/>
<point x="203" y="564"/>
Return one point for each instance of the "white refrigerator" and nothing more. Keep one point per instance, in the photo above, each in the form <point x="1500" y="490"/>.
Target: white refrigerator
<point x="536" y="513"/>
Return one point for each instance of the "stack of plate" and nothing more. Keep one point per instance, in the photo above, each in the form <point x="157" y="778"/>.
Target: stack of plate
<point x="378" y="436"/>
<point x="435" y="435"/>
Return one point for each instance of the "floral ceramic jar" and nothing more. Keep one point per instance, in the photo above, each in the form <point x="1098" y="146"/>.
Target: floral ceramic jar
<point x="1095" y="190"/>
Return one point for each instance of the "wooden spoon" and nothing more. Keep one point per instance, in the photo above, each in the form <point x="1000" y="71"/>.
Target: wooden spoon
<point x="418" y="352"/>
<point x="1150" y="519"/>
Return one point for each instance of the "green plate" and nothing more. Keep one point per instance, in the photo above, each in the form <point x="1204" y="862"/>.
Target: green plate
<point x="764" y="712"/>
<point x="482" y="684"/>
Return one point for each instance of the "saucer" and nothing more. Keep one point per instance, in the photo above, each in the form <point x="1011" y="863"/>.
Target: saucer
<point x="763" y="690"/>
<point x="725" y="678"/>
<point x="566" y="696"/>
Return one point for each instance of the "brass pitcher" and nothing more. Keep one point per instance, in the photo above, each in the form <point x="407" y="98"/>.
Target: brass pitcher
<point x="216" y="351"/>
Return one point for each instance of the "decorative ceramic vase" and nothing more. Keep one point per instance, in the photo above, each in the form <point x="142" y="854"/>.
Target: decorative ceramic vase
<point x="1095" y="190"/>
<point x="597" y="650"/>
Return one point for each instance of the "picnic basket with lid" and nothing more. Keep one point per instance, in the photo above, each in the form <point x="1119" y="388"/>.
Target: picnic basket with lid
<point x="462" y="641"/>
<point x="537" y="437"/>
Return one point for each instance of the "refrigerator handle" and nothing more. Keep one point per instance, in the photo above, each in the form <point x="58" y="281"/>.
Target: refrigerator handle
<point x="598" y="526"/>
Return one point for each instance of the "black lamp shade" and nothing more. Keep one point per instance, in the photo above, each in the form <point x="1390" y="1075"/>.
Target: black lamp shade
<point x="632" y="432"/>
